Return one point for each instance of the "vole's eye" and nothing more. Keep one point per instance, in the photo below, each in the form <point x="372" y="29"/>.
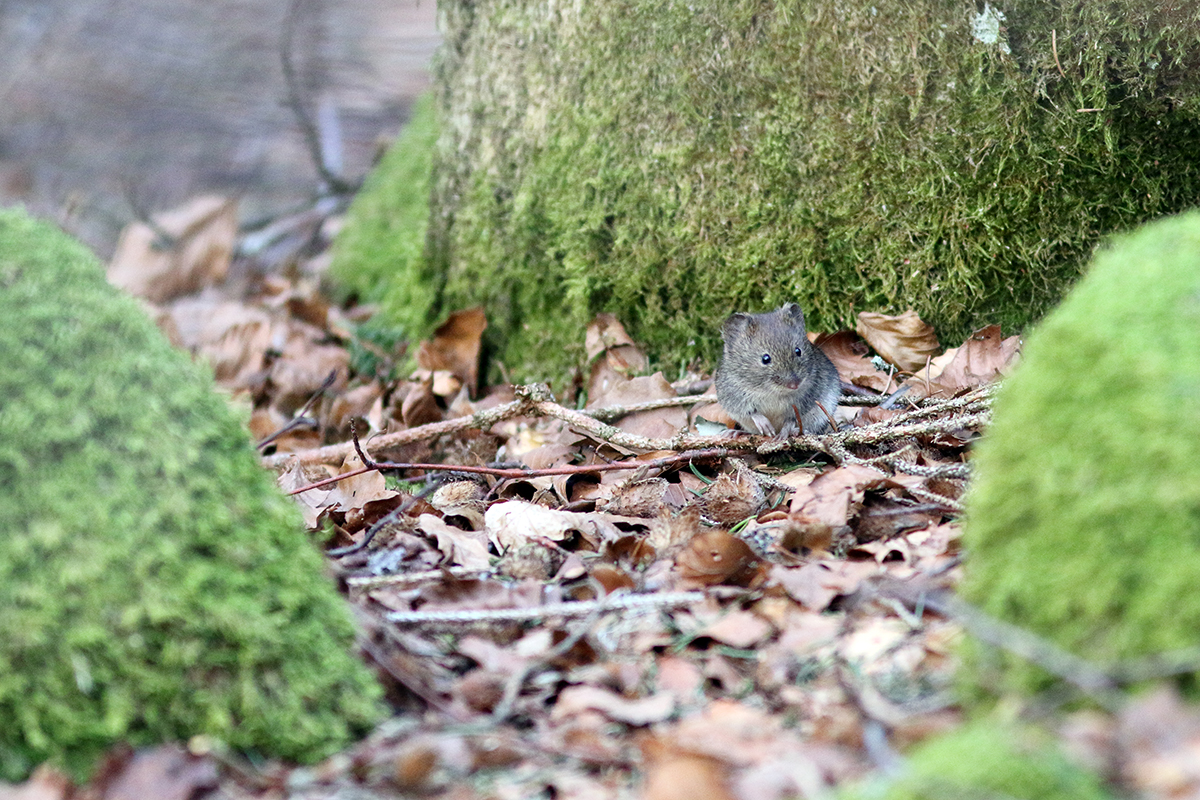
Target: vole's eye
<point x="798" y="352"/>
<point x="766" y="359"/>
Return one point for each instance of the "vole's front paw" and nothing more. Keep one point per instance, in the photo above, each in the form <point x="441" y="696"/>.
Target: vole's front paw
<point x="763" y="424"/>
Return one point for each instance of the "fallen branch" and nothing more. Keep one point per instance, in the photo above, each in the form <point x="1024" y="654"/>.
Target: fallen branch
<point x="536" y="400"/>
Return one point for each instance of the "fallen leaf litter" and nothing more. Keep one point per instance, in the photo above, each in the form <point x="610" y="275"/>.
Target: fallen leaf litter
<point x="603" y="601"/>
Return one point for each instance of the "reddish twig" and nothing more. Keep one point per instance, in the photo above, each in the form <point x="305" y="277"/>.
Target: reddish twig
<point x="517" y="473"/>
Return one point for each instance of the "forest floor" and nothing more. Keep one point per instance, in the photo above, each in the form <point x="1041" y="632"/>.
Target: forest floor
<point x="612" y="598"/>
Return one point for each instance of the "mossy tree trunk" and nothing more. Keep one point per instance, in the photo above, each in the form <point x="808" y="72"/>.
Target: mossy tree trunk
<point x="671" y="162"/>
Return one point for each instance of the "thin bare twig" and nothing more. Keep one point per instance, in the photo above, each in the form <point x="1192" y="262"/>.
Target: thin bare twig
<point x="522" y="473"/>
<point x="609" y="413"/>
<point x="580" y="608"/>
<point x="300" y="417"/>
<point x="295" y="101"/>
<point x="387" y="519"/>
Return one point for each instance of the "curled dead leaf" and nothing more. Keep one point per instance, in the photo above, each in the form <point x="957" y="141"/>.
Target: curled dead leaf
<point x="420" y="406"/>
<point x="851" y="355"/>
<point x="740" y="629"/>
<point x="612" y="578"/>
<point x="618" y="390"/>
<point x="355" y="404"/>
<point x="455" y="347"/>
<point x="719" y="557"/>
<point x="906" y="340"/>
<point x="606" y="333"/>
<point x="675" y="774"/>
<point x="634" y="711"/>
<point x="198" y="254"/>
<point x="981" y="359"/>
<point x="302" y="369"/>
<point x="614" y="356"/>
<point x="835" y="496"/>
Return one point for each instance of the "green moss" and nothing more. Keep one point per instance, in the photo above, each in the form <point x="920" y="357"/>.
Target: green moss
<point x="1084" y="518"/>
<point x="153" y="581"/>
<point x="671" y="161"/>
<point x="380" y="254"/>
<point x="987" y="760"/>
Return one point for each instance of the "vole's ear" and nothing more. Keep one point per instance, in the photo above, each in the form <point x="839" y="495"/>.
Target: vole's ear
<point x="793" y="314"/>
<point x="738" y="324"/>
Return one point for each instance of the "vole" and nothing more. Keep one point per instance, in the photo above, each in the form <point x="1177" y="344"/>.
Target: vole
<point x="771" y="373"/>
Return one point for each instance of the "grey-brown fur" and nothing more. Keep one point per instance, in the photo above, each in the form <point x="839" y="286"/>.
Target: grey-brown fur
<point x="765" y="397"/>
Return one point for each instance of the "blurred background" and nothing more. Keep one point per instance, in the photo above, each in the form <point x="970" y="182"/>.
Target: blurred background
<point x="111" y="110"/>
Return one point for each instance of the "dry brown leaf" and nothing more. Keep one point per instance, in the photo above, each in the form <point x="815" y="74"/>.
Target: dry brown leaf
<point x="46" y="783"/>
<point x="882" y="518"/>
<point x="687" y="777"/>
<point x="460" y="548"/>
<point x="515" y="522"/>
<point x="798" y="535"/>
<point x="614" y="356"/>
<point x="638" y="711"/>
<point x="740" y="629"/>
<point x="302" y="369"/>
<point x="981" y="359"/>
<point x="355" y="404"/>
<point x="935" y="542"/>
<point x="906" y="340"/>
<point x="168" y="772"/>
<point x="712" y="412"/>
<point x="313" y="502"/>
<point x="232" y="337"/>
<point x="850" y="354"/>
<point x="204" y="231"/>
<point x="679" y="677"/>
<point x="620" y="391"/>
<point x="606" y="334"/>
<point x="766" y="760"/>
<point x="645" y="498"/>
<point x="480" y="690"/>
<point x="414" y="764"/>
<point x="815" y="585"/>
<point x="302" y="300"/>
<point x="266" y="422"/>
<point x="634" y="551"/>
<point x="715" y="557"/>
<point x="461" y="499"/>
<point x="355" y="492"/>
<point x="807" y="631"/>
<point x="549" y="455"/>
<point x="612" y="578"/>
<point x="420" y="406"/>
<point x="836" y="495"/>
<point x="455" y="347"/>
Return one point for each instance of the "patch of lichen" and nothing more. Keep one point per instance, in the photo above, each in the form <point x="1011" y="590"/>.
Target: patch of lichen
<point x="670" y="162"/>
<point x="984" y="759"/>
<point x="1083" y="520"/>
<point x="154" y="582"/>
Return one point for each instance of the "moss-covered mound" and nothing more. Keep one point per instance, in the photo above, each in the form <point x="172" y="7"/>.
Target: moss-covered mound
<point x="153" y="582"/>
<point x="1084" y="518"/>
<point x="671" y="162"/>
<point x="988" y="759"/>
<point x="384" y="246"/>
